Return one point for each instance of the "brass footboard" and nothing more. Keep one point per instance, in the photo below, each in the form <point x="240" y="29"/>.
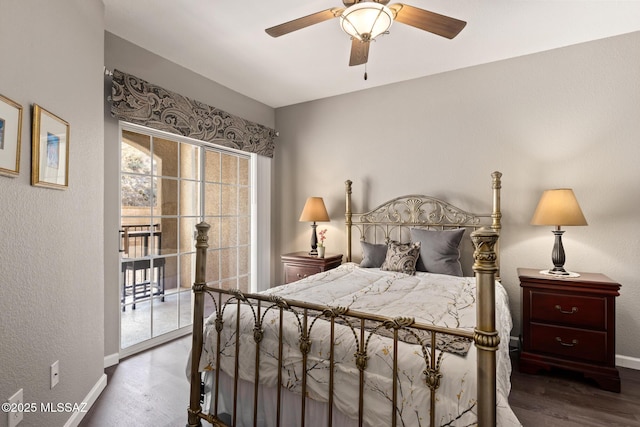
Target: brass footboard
<point x="362" y="327"/>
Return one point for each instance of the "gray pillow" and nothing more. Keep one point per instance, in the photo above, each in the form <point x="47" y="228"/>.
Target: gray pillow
<point x="373" y="254"/>
<point x="439" y="251"/>
<point x="401" y="257"/>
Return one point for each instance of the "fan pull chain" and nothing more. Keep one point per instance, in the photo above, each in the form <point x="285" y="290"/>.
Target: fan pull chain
<point x="365" y="71"/>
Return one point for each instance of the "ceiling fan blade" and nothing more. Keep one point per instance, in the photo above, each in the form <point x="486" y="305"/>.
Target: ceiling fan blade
<point x="359" y="52"/>
<point x="435" y="23"/>
<point x="305" y="21"/>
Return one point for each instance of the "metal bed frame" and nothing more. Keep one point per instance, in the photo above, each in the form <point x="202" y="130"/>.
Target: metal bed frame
<point x="387" y="220"/>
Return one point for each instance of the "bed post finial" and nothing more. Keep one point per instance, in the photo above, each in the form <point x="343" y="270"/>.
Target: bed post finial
<point x="496" y="184"/>
<point x="496" y="214"/>
<point x="486" y="337"/>
<point x="202" y="244"/>
<point x="347" y="216"/>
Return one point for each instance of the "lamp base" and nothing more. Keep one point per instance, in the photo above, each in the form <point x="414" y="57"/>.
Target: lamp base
<point x="560" y="271"/>
<point x="565" y="275"/>
<point x="314" y="240"/>
<point x="558" y="258"/>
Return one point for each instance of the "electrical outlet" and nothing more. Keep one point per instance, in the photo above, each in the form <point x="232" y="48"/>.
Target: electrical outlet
<point x="55" y="373"/>
<point x="15" y="402"/>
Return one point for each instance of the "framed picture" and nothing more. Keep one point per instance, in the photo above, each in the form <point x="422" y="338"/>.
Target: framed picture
<point x="50" y="150"/>
<point x="10" y="136"/>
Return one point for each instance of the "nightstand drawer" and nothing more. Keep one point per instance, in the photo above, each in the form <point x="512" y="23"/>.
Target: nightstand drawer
<point x="298" y="265"/>
<point x="578" y="344"/>
<point x="571" y="310"/>
<point x="294" y="273"/>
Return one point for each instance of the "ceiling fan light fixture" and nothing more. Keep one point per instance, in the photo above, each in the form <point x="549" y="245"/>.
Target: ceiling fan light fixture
<point x="366" y="20"/>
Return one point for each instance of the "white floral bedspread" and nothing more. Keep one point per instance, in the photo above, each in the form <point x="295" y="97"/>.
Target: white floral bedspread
<point x="430" y="298"/>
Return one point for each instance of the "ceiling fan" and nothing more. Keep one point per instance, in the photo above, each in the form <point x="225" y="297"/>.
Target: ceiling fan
<point x="364" y="20"/>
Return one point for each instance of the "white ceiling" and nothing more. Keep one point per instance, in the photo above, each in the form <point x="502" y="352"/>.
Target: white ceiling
<point x="224" y="40"/>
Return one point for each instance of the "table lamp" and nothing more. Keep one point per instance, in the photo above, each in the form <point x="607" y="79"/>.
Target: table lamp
<point x="558" y="207"/>
<point x="314" y="211"/>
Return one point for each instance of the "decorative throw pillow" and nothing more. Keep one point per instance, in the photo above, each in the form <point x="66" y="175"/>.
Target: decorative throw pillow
<point x="439" y="251"/>
<point x="401" y="257"/>
<point x="373" y="255"/>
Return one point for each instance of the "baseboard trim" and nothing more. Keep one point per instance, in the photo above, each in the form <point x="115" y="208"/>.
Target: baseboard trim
<point x="89" y="400"/>
<point x="628" y="362"/>
<point x="112" y="359"/>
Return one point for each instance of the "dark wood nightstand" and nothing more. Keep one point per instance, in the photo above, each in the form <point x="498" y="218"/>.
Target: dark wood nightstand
<point x="298" y="265"/>
<point x="569" y="323"/>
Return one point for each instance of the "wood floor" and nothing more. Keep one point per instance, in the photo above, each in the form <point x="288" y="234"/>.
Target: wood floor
<point x="566" y="399"/>
<point x="151" y="389"/>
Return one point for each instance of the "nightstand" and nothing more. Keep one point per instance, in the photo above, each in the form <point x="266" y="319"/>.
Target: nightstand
<point x="569" y="323"/>
<point x="298" y="265"/>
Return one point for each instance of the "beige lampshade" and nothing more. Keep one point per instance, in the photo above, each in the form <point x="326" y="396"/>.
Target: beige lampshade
<point x="314" y="211"/>
<point x="558" y="207"/>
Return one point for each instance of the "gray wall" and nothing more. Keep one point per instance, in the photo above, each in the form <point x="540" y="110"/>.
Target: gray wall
<point x="125" y="56"/>
<point x="51" y="241"/>
<point x="563" y="118"/>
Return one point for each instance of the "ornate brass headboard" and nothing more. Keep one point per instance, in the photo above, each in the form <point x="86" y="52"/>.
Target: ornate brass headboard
<point x="393" y="219"/>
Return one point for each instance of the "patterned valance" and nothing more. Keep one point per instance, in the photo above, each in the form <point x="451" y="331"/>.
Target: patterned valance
<point x="137" y="101"/>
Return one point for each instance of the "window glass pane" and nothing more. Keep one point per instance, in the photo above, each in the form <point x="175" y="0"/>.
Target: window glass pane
<point x="228" y="232"/>
<point x="229" y="200"/>
<point x="135" y="153"/>
<point x="212" y="166"/>
<point x="168" y="236"/>
<point x="165" y="314"/>
<point x="187" y="271"/>
<point x="229" y="169"/>
<point x="244" y="262"/>
<point x="244" y="201"/>
<point x="186" y="318"/>
<point x="135" y="325"/>
<point x="167" y="193"/>
<point x="137" y="194"/>
<point x="138" y="237"/>
<point x="189" y="161"/>
<point x="244" y="230"/>
<point x="189" y="198"/>
<point x="211" y="199"/>
<point x="166" y="154"/>
<point x="243" y="171"/>
<point x="229" y="284"/>
<point x="243" y="283"/>
<point x="153" y="240"/>
<point x="170" y="274"/>
<point x="187" y="230"/>
<point x="228" y="263"/>
<point x="213" y="268"/>
<point x="137" y="223"/>
<point x="214" y="231"/>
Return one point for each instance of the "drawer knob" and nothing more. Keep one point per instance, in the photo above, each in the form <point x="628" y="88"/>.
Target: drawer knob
<point x="301" y="276"/>
<point x="573" y="310"/>
<point x="567" y="344"/>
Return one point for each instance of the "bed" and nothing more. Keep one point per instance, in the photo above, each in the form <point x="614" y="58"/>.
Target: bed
<point x="403" y="338"/>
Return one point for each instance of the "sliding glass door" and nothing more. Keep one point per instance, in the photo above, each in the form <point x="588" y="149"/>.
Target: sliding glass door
<point x="168" y="185"/>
